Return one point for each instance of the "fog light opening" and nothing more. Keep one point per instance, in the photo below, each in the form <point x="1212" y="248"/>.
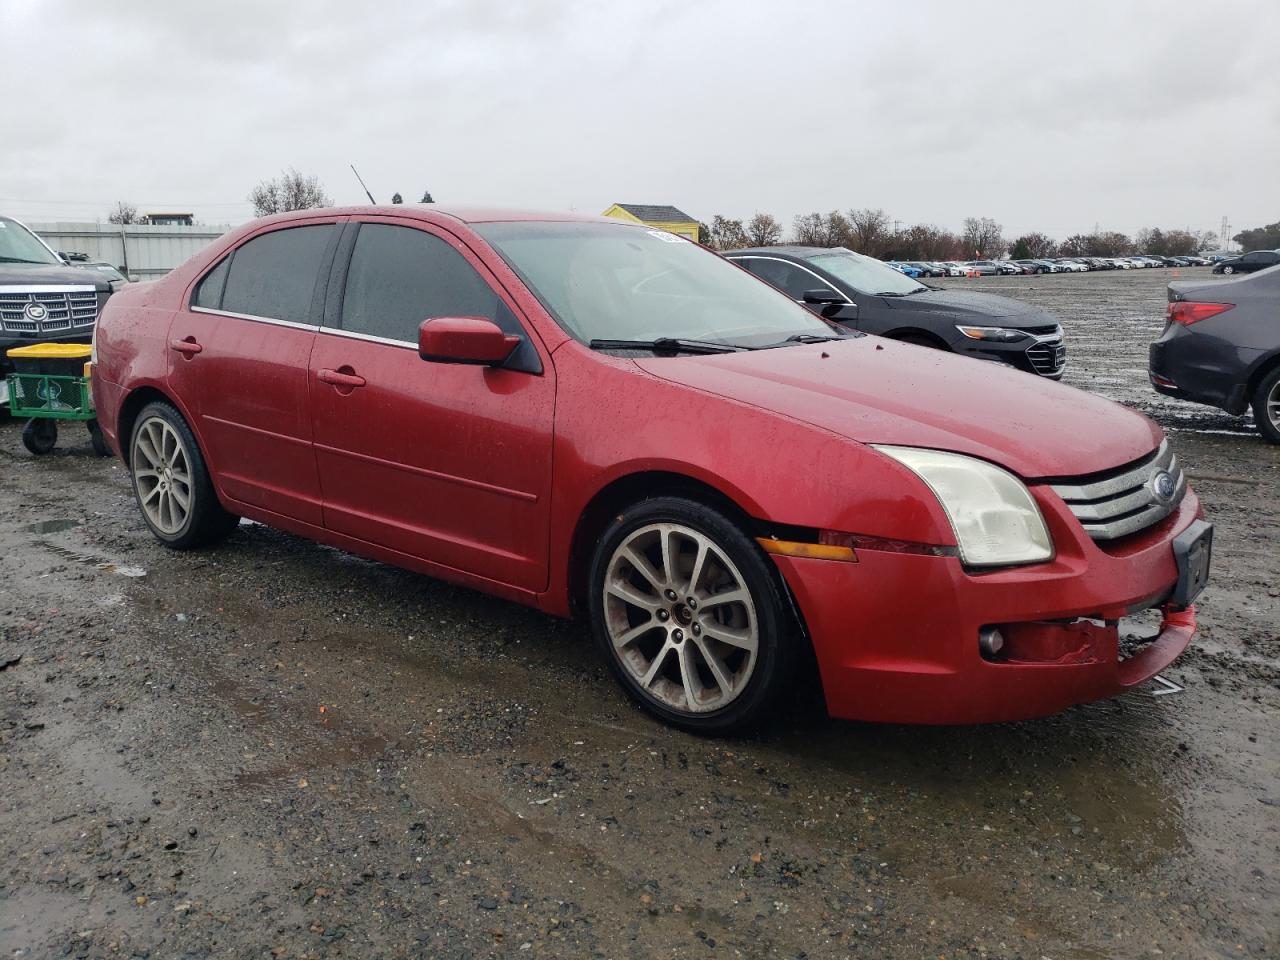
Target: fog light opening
<point x="990" y="642"/>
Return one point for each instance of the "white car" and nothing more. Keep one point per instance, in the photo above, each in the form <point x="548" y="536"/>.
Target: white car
<point x="953" y="269"/>
<point x="1121" y="263"/>
<point x="1071" y="266"/>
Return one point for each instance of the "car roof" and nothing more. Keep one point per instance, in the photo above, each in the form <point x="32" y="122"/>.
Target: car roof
<point x="795" y="250"/>
<point x="438" y="211"/>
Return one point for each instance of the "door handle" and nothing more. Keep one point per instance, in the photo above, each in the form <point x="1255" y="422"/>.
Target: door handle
<point x="339" y="379"/>
<point x="187" y="347"/>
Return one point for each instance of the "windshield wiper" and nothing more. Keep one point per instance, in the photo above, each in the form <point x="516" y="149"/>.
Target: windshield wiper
<point x="19" y="260"/>
<point x="889" y="293"/>
<point x="667" y="345"/>
<point x="813" y="337"/>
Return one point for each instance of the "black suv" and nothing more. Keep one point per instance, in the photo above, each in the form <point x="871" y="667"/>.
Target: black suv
<point x="865" y="294"/>
<point x="42" y="299"/>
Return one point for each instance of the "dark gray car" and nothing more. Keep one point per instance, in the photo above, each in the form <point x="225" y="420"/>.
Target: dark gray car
<point x="864" y="294"/>
<point x="1221" y="346"/>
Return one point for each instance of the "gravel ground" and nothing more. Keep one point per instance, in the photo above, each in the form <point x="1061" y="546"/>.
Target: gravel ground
<point x="273" y="749"/>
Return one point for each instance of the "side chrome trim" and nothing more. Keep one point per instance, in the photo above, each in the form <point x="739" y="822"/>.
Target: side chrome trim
<point x="248" y="316"/>
<point x="799" y="266"/>
<point x="353" y="335"/>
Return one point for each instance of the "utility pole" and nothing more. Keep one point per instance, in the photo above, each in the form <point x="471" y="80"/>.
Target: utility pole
<point x="1226" y="234"/>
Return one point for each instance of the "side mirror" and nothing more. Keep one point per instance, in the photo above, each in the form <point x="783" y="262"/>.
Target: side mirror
<point x="822" y="296"/>
<point x="464" y="340"/>
<point x="63" y="257"/>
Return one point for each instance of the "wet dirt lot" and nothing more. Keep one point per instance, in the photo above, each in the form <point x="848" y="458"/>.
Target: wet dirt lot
<point x="273" y="749"/>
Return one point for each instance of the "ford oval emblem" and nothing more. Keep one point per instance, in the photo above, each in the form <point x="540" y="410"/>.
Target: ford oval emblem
<point x="35" y="311"/>
<point x="1163" y="486"/>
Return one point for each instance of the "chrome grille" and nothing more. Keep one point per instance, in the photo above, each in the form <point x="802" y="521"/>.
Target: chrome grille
<point x="1120" y="502"/>
<point x="65" y="309"/>
<point x="1048" y="357"/>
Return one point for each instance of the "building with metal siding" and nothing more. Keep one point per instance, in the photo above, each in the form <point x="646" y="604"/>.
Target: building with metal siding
<point x="141" y="251"/>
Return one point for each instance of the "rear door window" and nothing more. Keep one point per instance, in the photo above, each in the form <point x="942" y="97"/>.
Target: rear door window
<point x="275" y="274"/>
<point x="399" y="276"/>
<point x="787" y="277"/>
<point x="209" y="291"/>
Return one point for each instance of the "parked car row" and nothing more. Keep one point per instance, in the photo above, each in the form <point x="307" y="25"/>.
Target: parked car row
<point x="992" y="268"/>
<point x="581" y="415"/>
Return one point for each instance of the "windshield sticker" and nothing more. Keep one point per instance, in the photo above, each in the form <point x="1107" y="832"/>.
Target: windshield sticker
<point x="663" y="235"/>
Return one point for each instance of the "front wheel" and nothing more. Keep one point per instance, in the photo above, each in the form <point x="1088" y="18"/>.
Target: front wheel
<point x="1228" y="270"/>
<point x="1266" y="406"/>
<point x="691" y="616"/>
<point x="171" y="482"/>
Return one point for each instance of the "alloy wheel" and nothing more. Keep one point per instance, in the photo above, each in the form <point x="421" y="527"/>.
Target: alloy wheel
<point x="162" y="474"/>
<point x="1273" y="405"/>
<point x="680" y="617"/>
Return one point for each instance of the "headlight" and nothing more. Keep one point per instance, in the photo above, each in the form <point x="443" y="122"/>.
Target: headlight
<point x="996" y="334"/>
<point x="995" y="518"/>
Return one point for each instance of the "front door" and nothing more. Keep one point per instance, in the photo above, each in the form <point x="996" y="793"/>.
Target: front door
<point x="449" y="463"/>
<point x="239" y="358"/>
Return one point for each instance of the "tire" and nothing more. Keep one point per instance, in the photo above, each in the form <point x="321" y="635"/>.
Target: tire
<point x="711" y="669"/>
<point x="40" y="435"/>
<point x="162" y="452"/>
<point x="1266" y="406"/>
<point x="98" y="441"/>
<point x="1228" y="270"/>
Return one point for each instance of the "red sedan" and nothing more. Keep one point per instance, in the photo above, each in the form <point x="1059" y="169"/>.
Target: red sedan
<point x="597" y="418"/>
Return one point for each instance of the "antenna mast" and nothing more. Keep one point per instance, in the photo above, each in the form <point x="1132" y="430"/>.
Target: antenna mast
<point x="366" y="189"/>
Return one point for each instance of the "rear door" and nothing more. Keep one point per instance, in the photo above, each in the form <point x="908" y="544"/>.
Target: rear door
<point x="238" y="361"/>
<point x="449" y="463"/>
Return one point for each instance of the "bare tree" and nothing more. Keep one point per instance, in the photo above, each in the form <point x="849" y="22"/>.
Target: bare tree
<point x="869" y="232"/>
<point x="816" y="230"/>
<point x="728" y="234"/>
<point x="292" y="191"/>
<point x="1033" y="246"/>
<point x="123" y="213"/>
<point x="984" y="237"/>
<point x="923" y="241"/>
<point x="763" y="230"/>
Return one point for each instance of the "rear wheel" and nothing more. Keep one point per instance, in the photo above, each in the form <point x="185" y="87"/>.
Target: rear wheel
<point x="40" y="435"/>
<point x="171" y="482"/>
<point x="1266" y="406"/>
<point x="691" y="617"/>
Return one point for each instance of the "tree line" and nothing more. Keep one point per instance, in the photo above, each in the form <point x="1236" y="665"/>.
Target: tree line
<point x="866" y="230"/>
<point x="872" y="232"/>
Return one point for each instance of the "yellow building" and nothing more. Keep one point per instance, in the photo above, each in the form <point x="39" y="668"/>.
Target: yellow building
<point x="656" y="215"/>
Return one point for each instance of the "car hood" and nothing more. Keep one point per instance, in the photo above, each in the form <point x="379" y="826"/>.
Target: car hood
<point x="970" y="305"/>
<point x="32" y="273"/>
<point x="874" y="390"/>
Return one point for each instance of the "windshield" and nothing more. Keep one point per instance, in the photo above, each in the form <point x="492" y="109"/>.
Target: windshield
<point x="19" y="245"/>
<point x="604" y="281"/>
<point x="865" y="274"/>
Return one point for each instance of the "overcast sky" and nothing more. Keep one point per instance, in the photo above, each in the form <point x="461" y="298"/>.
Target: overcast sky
<point x="1049" y="116"/>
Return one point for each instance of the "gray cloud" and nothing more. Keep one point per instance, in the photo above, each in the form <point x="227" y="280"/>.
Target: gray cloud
<point x="1048" y="117"/>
